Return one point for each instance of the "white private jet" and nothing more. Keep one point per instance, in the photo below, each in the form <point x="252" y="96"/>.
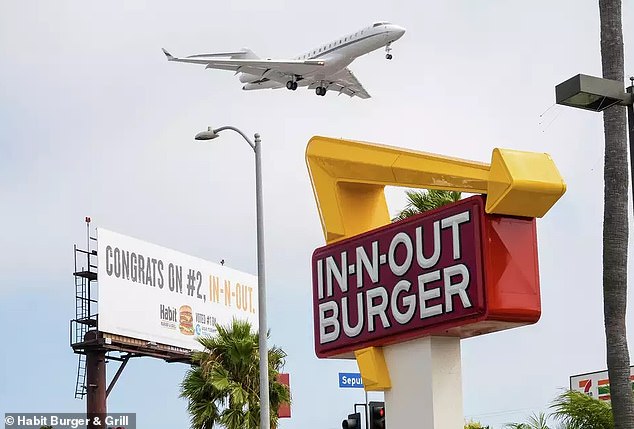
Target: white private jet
<point x="322" y="69"/>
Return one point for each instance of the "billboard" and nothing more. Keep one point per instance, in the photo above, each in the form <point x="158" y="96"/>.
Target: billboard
<point x="157" y="294"/>
<point x="595" y="384"/>
<point x="454" y="271"/>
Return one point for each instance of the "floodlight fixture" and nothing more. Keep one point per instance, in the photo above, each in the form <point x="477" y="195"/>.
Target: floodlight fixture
<point x="591" y="93"/>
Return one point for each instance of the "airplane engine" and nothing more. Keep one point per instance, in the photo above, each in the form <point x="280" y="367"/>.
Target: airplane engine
<point x="268" y="84"/>
<point x="247" y="78"/>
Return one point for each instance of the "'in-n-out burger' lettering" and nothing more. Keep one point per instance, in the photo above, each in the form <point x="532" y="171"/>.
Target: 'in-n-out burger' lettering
<point x="415" y="273"/>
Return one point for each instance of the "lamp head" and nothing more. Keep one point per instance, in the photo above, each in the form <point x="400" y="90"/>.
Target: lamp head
<point x="206" y="135"/>
<point x="591" y="93"/>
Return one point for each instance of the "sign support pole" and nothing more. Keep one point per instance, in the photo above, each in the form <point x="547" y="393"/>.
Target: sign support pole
<point x="426" y="377"/>
<point x="367" y="410"/>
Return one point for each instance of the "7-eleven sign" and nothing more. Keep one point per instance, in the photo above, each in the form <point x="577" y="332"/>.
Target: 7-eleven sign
<point x="595" y="384"/>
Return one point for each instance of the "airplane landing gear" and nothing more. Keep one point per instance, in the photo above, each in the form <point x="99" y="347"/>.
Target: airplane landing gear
<point x="388" y="49"/>
<point x="291" y="85"/>
<point x="320" y="90"/>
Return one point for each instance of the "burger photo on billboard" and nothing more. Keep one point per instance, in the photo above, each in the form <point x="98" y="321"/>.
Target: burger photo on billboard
<point x="186" y="320"/>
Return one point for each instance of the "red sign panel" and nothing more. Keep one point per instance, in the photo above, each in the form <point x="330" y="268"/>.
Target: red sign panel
<point x="284" y="411"/>
<point x="401" y="281"/>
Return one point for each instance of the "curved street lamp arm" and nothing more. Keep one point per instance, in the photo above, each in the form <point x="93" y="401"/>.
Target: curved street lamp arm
<point x="244" y="136"/>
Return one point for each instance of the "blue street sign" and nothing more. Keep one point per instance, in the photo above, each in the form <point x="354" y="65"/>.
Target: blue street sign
<point x="350" y="380"/>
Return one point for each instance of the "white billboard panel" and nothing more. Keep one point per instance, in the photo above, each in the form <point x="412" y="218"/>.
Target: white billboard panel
<point x="157" y="294"/>
<point x="595" y="384"/>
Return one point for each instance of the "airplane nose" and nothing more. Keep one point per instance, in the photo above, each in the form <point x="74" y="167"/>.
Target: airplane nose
<point x="398" y="31"/>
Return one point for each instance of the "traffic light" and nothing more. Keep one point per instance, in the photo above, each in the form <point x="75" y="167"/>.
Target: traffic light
<point x="377" y="415"/>
<point x="352" y="422"/>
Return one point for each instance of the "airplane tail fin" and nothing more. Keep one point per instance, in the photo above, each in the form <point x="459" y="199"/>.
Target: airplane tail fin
<point x="168" y="55"/>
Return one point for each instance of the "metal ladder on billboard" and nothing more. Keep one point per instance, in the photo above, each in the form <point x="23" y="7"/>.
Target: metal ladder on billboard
<point x="80" y="385"/>
<point x="85" y="319"/>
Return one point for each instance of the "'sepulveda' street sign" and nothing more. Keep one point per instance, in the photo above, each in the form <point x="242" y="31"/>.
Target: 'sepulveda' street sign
<point x="350" y="380"/>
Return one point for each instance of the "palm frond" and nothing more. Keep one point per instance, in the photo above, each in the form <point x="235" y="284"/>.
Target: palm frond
<point x="576" y="410"/>
<point x="425" y="200"/>
<point x="538" y="421"/>
<point x="223" y="385"/>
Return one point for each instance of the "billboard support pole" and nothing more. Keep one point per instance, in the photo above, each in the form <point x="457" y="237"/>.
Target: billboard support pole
<point x="96" y="387"/>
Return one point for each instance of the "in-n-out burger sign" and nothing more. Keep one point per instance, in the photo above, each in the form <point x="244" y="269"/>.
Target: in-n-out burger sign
<point x="452" y="271"/>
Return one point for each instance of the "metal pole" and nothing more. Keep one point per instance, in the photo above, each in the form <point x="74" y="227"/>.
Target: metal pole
<point x="96" y="387"/>
<point x="88" y="264"/>
<point x="630" y="135"/>
<point x="265" y="419"/>
<point x="367" y="410"/>
<point x="117" y="375"/>
<point x="265" y="413"/>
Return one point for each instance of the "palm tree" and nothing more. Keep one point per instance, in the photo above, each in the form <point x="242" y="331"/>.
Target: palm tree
<point x="422" y="201"/>
<point x="474" y="425"/>
<point x="615" y="226"/>
<point x="222" y="386"/>
<point x="536" y="421"/>
<point x="576" y="410"/>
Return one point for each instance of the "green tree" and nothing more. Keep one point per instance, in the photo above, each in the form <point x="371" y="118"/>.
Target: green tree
<point x="474" y="425"/>
<point x="536" y="421"/>
<point x="615" y="222"/>
<point x="576" y="410"/>
<point x="222" y="386"/>
<point x="422" y="201"/>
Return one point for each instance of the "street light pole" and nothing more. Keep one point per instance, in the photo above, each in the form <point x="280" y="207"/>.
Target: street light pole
<point x="265" y="421"/>
<point x="265" y="418"/>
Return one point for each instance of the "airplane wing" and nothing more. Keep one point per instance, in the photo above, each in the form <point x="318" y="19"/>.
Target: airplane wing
<point x="259" y="67"/>
<point x="344" y="82"/>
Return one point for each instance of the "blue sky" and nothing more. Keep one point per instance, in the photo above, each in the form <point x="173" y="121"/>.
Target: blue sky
<point x="94" y="121"/>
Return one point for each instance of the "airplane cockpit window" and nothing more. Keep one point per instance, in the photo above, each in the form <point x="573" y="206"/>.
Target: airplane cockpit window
<point x="377" y="24"/>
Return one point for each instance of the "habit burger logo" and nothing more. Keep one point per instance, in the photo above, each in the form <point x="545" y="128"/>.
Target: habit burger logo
<point x="405" y="280"/>
<point x="186" y="320"/>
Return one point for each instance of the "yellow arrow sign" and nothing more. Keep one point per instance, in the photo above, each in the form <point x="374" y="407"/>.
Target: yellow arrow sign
<point x="349" y="178"/>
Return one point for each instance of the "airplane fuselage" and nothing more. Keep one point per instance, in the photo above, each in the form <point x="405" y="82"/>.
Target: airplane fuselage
<point x="324" y="68"/>
<point x="336" y="54"/>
